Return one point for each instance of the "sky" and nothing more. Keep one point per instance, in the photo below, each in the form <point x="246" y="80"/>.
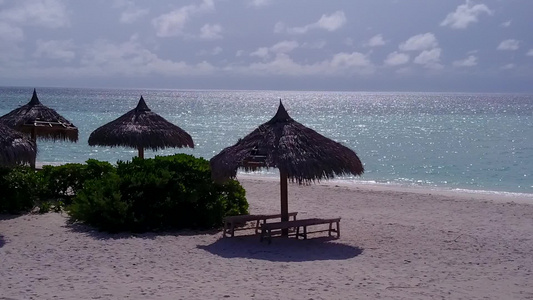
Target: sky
<point x="333" y="45"/>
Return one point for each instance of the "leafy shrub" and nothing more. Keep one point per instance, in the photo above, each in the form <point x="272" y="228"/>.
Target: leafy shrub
<point x="63" y="182"/>
<point x="19" y="189"/>
<point x="171" y="192"/>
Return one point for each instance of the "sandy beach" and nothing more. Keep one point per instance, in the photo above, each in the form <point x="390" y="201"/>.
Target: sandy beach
<point x="395" y="244"/>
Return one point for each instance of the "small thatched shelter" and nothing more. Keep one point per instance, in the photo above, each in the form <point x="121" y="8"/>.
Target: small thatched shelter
<point x="15" y="148"/>
<point x="300" y="153"/>
<point x="141" y="128"/>
<point x="40" y="121"/>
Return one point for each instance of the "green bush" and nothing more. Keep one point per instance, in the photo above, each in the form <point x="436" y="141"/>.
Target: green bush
<point x="171" y="192"/>
<point x="65" y="181"/>
<point x="19" y="189"/>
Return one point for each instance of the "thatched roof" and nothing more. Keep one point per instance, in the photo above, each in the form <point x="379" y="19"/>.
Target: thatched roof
<point x="15" y="148"/>
<point x="141" y="128"/>
<point x="44" y="121"/>
<point x="283" y="143"/>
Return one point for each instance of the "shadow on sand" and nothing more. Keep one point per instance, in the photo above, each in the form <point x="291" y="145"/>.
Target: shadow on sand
<point x="2" y="241"/>
<point x="282" y="249"/>
<point x="87" y="230"/>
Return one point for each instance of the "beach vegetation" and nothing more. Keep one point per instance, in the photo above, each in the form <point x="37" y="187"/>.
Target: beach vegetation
<point x="163" y="193"/>
<point x="19" y="189"/>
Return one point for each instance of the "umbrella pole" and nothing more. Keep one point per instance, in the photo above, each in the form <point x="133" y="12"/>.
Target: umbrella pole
<point x="141" y="152"/>
<point x="34" y="139"/>
<point x="284" y="201"/>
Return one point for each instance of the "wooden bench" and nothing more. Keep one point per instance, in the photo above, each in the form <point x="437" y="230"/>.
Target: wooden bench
<point x="232" y="223"/>
<point x="267" y="228"/>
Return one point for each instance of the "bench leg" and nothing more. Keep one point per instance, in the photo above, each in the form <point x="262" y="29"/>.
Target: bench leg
<point x="338" y="230"/>
<point x="297" y="232"/>
<point x="225" y="229"/>
<point x="257" y="227"/>
<point x="330" y="228"/>
<point x="305" y="232"/>
<point x="232" y="228"/>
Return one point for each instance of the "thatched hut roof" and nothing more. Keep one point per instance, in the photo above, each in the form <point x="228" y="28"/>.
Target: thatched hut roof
<point x="15" y="148"/>
<point x="300" y="152"/>
<point x="36" y="119"/>
<point x="141" y="128"/>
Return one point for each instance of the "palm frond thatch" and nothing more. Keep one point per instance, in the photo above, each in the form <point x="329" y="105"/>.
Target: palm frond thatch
<point x="15" y="148"/>
<point x="141" y="128"/>
<point x="300" y="152"/>
<point x="38" y="120"/>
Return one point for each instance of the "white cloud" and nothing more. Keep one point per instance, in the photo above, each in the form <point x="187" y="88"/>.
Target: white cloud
<point x="44" y="13"/>
<point x="419" y="42"/>
<point x="173" y="23"/>
<point x="131" y="12"/>
<point x="510" y="45"/>
<point x="506" y="24"/>
<point x="332" y="22"/>
<point x="279" y="27"/>
<point x="508" y="66"/>
<point x="429" y="58"/>
<point x="211" y="32"/>
<point x="10" y="34"/>
<point x="375" y="41"/>
<point x="470" y="61"/>
<point x="279" y="48"/>
<point x="530" y="52"/>
<point x="62" y="50"/>
<point x="465" y="14"/>
<point x="340" y="64"/>
<point x="320" y="44"/>
<point x="131" y="59"/>
<point x="396" y="59"/>
<point x="284" y="47"/>
<point x="261" y="52"/>
<point x="215" y="51"/>
<point x="259" y="3"/>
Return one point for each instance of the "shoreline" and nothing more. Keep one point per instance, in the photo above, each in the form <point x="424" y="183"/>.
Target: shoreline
<point x="496" y="196"/>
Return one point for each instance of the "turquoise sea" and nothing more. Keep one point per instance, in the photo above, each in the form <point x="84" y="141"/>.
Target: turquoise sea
<point x="475" y="142"/>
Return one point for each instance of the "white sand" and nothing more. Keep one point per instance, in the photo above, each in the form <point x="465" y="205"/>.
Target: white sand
<point x="395" y="244"/>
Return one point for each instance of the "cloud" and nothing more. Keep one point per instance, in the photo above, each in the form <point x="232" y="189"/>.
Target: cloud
<point x="508" y="67"/>
<point x="210" y="32"/>
<point x="530" y="52"/>
<point x="131" y="12"/>
<point x="259" y="3"/>
<point x="284" y="47"/>
<point x="429" y="58"/>
<point x="279" y="48"/>
<point x="465" y="14"/>
<point x="215" y="51"/>
<point x="396" y="59"/>
<point x="506" y="24"/>
<point x="262" y="52"/>
<point x="42" y="13"/>
<point x="375" y="41"/>
<point x="330" y="23"/>
<point x="470" y="61"/>
<point x="172" y="23"/>
<point x="339" y="65"/>
<point x="10" y="34"/>
<point x="131" y="59"/>
<point x="419" y="42"/>
<point x="509" y="45"/>
<point x="54" y="49"/>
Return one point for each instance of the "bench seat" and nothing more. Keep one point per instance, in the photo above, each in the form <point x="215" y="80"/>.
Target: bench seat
<point x="268" y="228"/>
<point x="232" y="223"/>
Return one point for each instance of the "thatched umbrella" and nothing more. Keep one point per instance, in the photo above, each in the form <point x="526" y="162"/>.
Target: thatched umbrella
<point x="300" y="153"/>
<point x="141" y="128"/>
<point x="37" y="120"/>
<point x="15" y="148"/>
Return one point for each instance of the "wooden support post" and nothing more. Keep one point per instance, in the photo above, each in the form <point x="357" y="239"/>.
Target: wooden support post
<point x="34" y="139"/>
<point x="284" y="201"/>
<point x="141" y="152"/>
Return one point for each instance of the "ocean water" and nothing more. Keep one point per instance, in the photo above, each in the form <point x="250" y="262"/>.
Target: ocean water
<point x="475" y="142"/>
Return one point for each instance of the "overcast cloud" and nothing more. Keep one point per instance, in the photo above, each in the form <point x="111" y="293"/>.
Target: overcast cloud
<point x="364" y="45"/>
